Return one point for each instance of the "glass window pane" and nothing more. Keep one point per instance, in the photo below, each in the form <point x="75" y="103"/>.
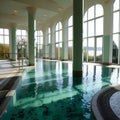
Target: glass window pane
<point x="70" y="33"/>
<point x="99" y="26"/>
<point x="85" y="16"/>
<point x="49" y="38"/>
<point x="24" y="32"/>
<point x="1" y="40"/>
<point x="19" y="38"/>
<point x="70" y="43"/>
<point x="6" y="31"/>
<point x="36" y="41"/>
<point x="91" y="49"/>
<point x="60" y="45"/>
<point x="41" y="40"/>
<point x="115" y="41"/>
<point x="91" y="28"/>
<point x="60" y="25"/>
<point x="56" y="36"/>
<point x="84" y="43"/>
<point x="35" y="33"/>
<point x="48" y="30"/>
<point x="91" y="12"/>
<point x="116" y="5"/>
<point x="99" y="42"/>
<point x="57" y="27"/>
<point x="24" y="37"/>
<point x="1" y="31"/>
<point x="99" y="10"/>
<point x="85" y="29"/>
<point x="116" y="22"/>
<point x="40" y="46"/>
<point x="56" y="45"/>
<point x="91" y="43"/>
<point x="115" y="48"/>
<point x="6" y="39"/>
<point x="70" y="21"/>
<point x="85" y="51"/>
<point x="99" y="46"/>
<point x="41" y="33"/>
<point x="18" y="32"/>
<point x="60" y="36"/>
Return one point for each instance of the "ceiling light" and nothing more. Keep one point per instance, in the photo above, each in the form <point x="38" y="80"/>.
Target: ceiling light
<point x="45" y="15"/>
<point x="15" y="11"/>
<point x="60" y="9"/>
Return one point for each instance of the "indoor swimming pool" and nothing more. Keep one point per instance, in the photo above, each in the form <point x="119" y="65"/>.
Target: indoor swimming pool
<point x="49" y="92"/>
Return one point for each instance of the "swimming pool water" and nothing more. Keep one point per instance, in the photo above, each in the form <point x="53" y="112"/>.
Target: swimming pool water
<point x="49" y="92"/>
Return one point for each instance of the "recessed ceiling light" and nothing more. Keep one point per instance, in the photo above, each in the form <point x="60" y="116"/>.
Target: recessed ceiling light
<point x="15" y="11"/>
<point x="39" y="21"/>
<point x="60" y="9"/>
<point x="45" y="15"/>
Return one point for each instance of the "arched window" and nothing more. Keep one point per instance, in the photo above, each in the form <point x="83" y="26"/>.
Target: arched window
<point x="58" y="40"/>
<point x="4" y="43"/>
<point x="116" y="32"/>
<point x="70" y="38"/>
<point x="93" y="34"/>
<point x="39" y="43"/>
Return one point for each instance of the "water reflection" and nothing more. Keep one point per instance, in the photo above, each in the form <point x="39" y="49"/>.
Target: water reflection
<point x="49" y="91"/>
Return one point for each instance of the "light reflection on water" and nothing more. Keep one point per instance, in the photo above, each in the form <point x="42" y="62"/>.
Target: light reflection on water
<point x="49" y="92"/>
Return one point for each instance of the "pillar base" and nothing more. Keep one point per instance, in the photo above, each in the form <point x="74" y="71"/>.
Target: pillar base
<point x="52" y="59"/>
<point x="45" y="57"/>
<point x="77" y="73"/>
<point x="64" y="60"/>
<point x="12" y="59"/>
<point x="31" y="64"/>
<point x="106" y="63"/>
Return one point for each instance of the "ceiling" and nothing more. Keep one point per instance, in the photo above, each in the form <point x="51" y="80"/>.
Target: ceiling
<point x="15" y="11"/>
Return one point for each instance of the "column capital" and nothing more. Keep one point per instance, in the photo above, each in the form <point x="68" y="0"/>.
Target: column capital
<point x="31" y="10"/>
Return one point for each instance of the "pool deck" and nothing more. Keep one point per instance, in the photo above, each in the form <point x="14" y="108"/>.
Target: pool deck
<point x="9" y="78"/>
<point x="105" y="103"/>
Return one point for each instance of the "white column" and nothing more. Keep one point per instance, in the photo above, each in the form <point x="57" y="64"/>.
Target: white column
<point x="65" y="43"/>
<point x="13" y="46"/>
<point x="53" y="43"/>
<point x="31" y="38"/>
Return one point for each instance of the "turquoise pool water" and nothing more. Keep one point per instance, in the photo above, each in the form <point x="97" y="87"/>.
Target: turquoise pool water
<point x="49" y="92"/>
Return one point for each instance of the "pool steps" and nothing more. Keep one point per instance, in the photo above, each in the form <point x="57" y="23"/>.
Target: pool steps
<point x="101" y="103"/>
